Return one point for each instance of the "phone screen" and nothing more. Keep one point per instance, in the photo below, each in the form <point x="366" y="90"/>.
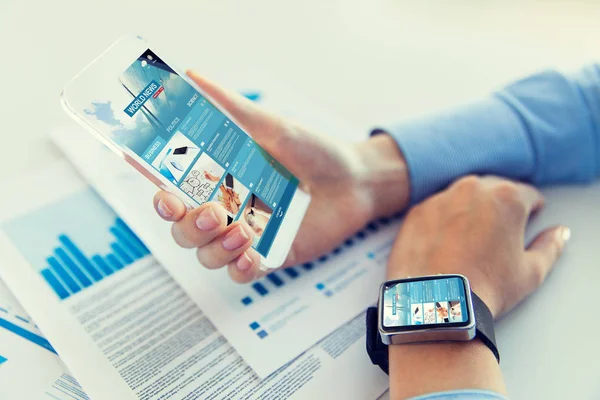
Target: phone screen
<point x="158" y="115"/>
<point x="425" y="301"/>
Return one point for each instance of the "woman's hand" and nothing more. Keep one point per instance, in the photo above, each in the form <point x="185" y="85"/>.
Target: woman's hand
<point x="349" y="184"/>
<point x="475" y="228"/>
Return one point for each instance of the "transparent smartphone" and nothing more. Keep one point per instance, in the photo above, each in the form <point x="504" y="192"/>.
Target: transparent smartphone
<point x="162" y="124"/>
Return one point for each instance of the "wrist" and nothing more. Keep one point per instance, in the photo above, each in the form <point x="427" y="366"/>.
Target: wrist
<point x="457" y="365"/>
<point x="384" y="175"/>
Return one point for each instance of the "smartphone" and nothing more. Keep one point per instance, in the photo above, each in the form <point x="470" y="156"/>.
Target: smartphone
<point x="161" y="123"/>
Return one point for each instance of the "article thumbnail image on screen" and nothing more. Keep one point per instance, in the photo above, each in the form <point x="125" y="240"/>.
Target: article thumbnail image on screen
<point x="257" y="214"/>
<point x="442" y="312"/>
<point x="455" y="311"/>
<point x="416" y="314"/>
<point x="231" y="195"/>
<point x="176" y="157"/>
<point x="429" y="313"/>
<point x="203" y="178"/>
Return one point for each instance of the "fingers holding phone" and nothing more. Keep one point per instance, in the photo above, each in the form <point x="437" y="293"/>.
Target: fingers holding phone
<point x="208" y="229"/>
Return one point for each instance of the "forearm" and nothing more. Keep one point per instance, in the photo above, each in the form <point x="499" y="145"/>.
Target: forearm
<point x="560" y="114"/>
<point x="543" y="129"/>
<point x="418" y="369"/>
<point x="384" y="175"/>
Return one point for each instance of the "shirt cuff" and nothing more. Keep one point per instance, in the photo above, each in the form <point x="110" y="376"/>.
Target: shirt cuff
<point x="462" y="395"/>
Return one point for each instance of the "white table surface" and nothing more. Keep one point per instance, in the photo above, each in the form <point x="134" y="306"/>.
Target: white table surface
<point x="367" y="62"/>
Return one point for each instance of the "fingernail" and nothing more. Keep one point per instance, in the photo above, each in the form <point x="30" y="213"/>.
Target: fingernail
<point x="207" y="220"/>
<point x="564" y="234"/>
<point x="235" y="238"/>
<point x="244" y="262"/>
<point x="163" y="209"/>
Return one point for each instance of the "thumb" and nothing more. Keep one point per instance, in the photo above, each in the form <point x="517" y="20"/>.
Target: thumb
<point x="263" y="126"/>
<point x="543" y="252"/>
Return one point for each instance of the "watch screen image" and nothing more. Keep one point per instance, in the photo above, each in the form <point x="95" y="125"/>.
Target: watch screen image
<point x="425" y="301"/>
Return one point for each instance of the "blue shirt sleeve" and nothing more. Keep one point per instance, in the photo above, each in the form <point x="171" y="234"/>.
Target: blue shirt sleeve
<point x="542" y="129"/>
<point x="462" y="395"/>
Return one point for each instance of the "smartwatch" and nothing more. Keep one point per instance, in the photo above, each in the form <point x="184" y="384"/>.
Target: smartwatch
<point x="436" y="308"/>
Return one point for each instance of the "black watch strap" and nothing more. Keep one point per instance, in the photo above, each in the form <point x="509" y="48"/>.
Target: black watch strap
<point x="378" y="351"/>
<point x="485" y="325"/>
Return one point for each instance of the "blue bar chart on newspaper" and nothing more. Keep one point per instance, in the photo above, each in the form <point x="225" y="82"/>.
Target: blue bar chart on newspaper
<point x="74" y="254"/>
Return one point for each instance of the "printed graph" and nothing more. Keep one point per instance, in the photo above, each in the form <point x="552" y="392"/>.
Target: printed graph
<point x="25" y="330"/>
<point x="14" y="319"/>
<point x="76" y="242"/>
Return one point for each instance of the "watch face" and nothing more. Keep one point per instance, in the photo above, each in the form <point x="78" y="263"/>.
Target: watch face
<point x="412" y="304"/>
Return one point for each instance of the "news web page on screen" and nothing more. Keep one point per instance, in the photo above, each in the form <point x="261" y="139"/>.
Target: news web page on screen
<point x="158" y="115"/>
<point x="425" y="302"/>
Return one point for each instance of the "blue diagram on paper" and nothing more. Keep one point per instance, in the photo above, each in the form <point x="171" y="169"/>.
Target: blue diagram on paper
<point x="15" y="319"/>
<point x="75" y="252"/>
<point x="33" y="337"/>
